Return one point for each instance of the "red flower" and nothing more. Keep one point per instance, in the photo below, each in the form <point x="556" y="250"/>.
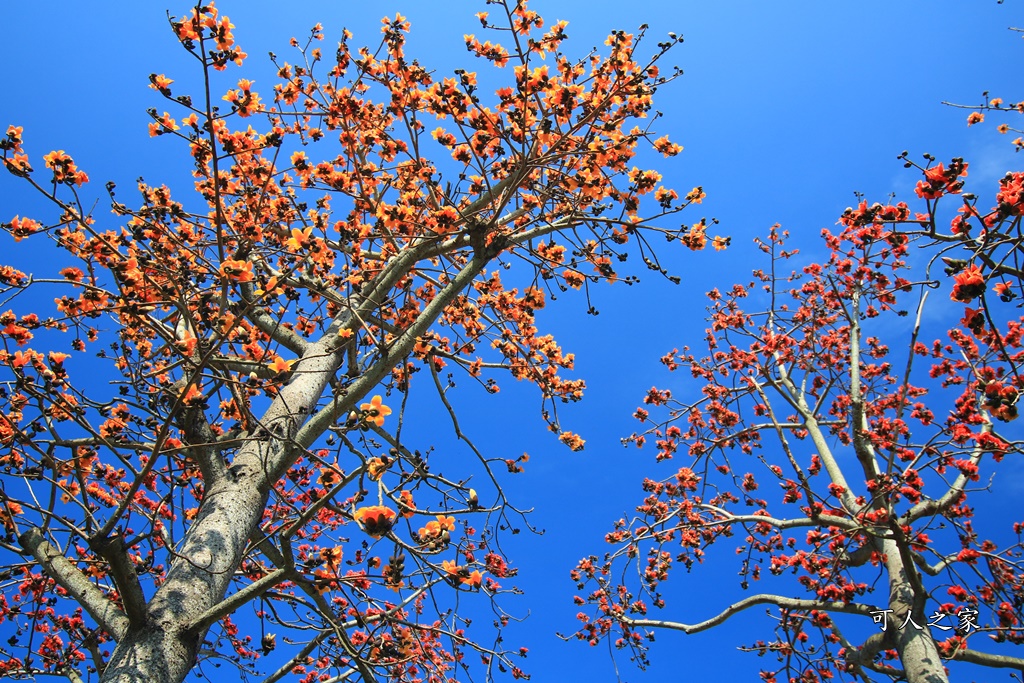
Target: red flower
<point x="974" y="321"/>
<point x="1003" y="290"/>
<point x="970" y="284"/>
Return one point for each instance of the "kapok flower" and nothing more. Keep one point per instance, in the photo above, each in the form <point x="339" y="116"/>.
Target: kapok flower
<point x="193" y="397"/>
<point x="160" y="82"/>
<point x="435" y="528"/>
<point x="64" y="169"/>
<point x="331" y="556"/>
<point x="969" y="284"/>
<point x="299" y="239"/>
<point x="571" y="440"/>
<point x="281" y="365"/>
<point x="1005" y="292"/>
<point x="240" y="271"/>
<point x="329" y="477"/>
<point x="376" y="467"/>
<point x="462" y="574"/>
<point x="376" y="520"/>
<point x="375" y="411"/>
<point x="20" y="228"/>
<point x="974" y="321"/>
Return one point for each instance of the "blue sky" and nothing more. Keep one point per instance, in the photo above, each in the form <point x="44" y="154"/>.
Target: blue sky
<point x="785" y="110"/>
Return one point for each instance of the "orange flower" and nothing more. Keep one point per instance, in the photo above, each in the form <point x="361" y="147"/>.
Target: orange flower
<point x="281" y="365"/>
<point x="666" y="147"/>
<point x="465" y="577"/>
<point x="406" y="504"/>
<point x="375" y="410"/>
<point x="159" y="82"/>
<point x="193" y="397"/>
<point x="163" y="124"/>
<point x="331" y="556"/>
<point x="571" y="440"/>
<point x="20" y="228"/>
<point x="376" y="520"/>
<point x="299" y="239"/>
<point x="328" y="477"/>
<point x="376" y="467"/>
<point x="64" y="169"/>
<point x="969" y="284"/>
<point x="55" y="159"/>
<point x="435" y="529"/>
<point x="240" y="271"/>
<point x="1005" y="291"/>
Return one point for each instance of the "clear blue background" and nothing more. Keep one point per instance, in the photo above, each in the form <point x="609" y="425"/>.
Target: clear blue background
<point x="785" y="110"/>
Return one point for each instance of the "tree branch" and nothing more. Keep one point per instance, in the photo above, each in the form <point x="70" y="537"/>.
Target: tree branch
<point x="261" y="319"/>
<point x="236" y="600"/>
<point x="401" y="347"/>
<point x="821" y="520"/>
<point x="126" y="579"/>
<point x="929" y="508"/>
<point x="864" y="656"/>
<point x="101" y="608"/>
<point x="990" y="660"/>
<point x="752" y="601"/>
<point x="298" y="658"/>
<point x="202" y="445"/>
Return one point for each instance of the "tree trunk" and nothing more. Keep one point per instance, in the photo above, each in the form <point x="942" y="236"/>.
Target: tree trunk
<point x="916" y="648"/>
<point x="164" y="649"/>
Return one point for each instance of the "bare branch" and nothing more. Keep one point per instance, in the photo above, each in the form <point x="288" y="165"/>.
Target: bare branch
<point x="753" y="601"/>
<point x="236" y="600"/>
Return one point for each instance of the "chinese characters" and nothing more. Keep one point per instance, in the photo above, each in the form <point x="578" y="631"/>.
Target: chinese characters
<point x="966" y="620"/>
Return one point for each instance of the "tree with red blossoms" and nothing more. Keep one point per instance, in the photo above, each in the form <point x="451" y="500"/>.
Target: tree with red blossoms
<point x="230" y="477"/>
<point x="852" y="415"/>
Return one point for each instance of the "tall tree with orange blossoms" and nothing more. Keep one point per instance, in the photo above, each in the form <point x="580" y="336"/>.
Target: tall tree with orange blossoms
<point x="847" y="429"/>
<point x="263" y="338"/>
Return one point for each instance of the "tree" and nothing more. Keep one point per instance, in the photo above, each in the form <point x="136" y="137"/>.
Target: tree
<point x="262" y="341"/>
<point x="842" y="451"/>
